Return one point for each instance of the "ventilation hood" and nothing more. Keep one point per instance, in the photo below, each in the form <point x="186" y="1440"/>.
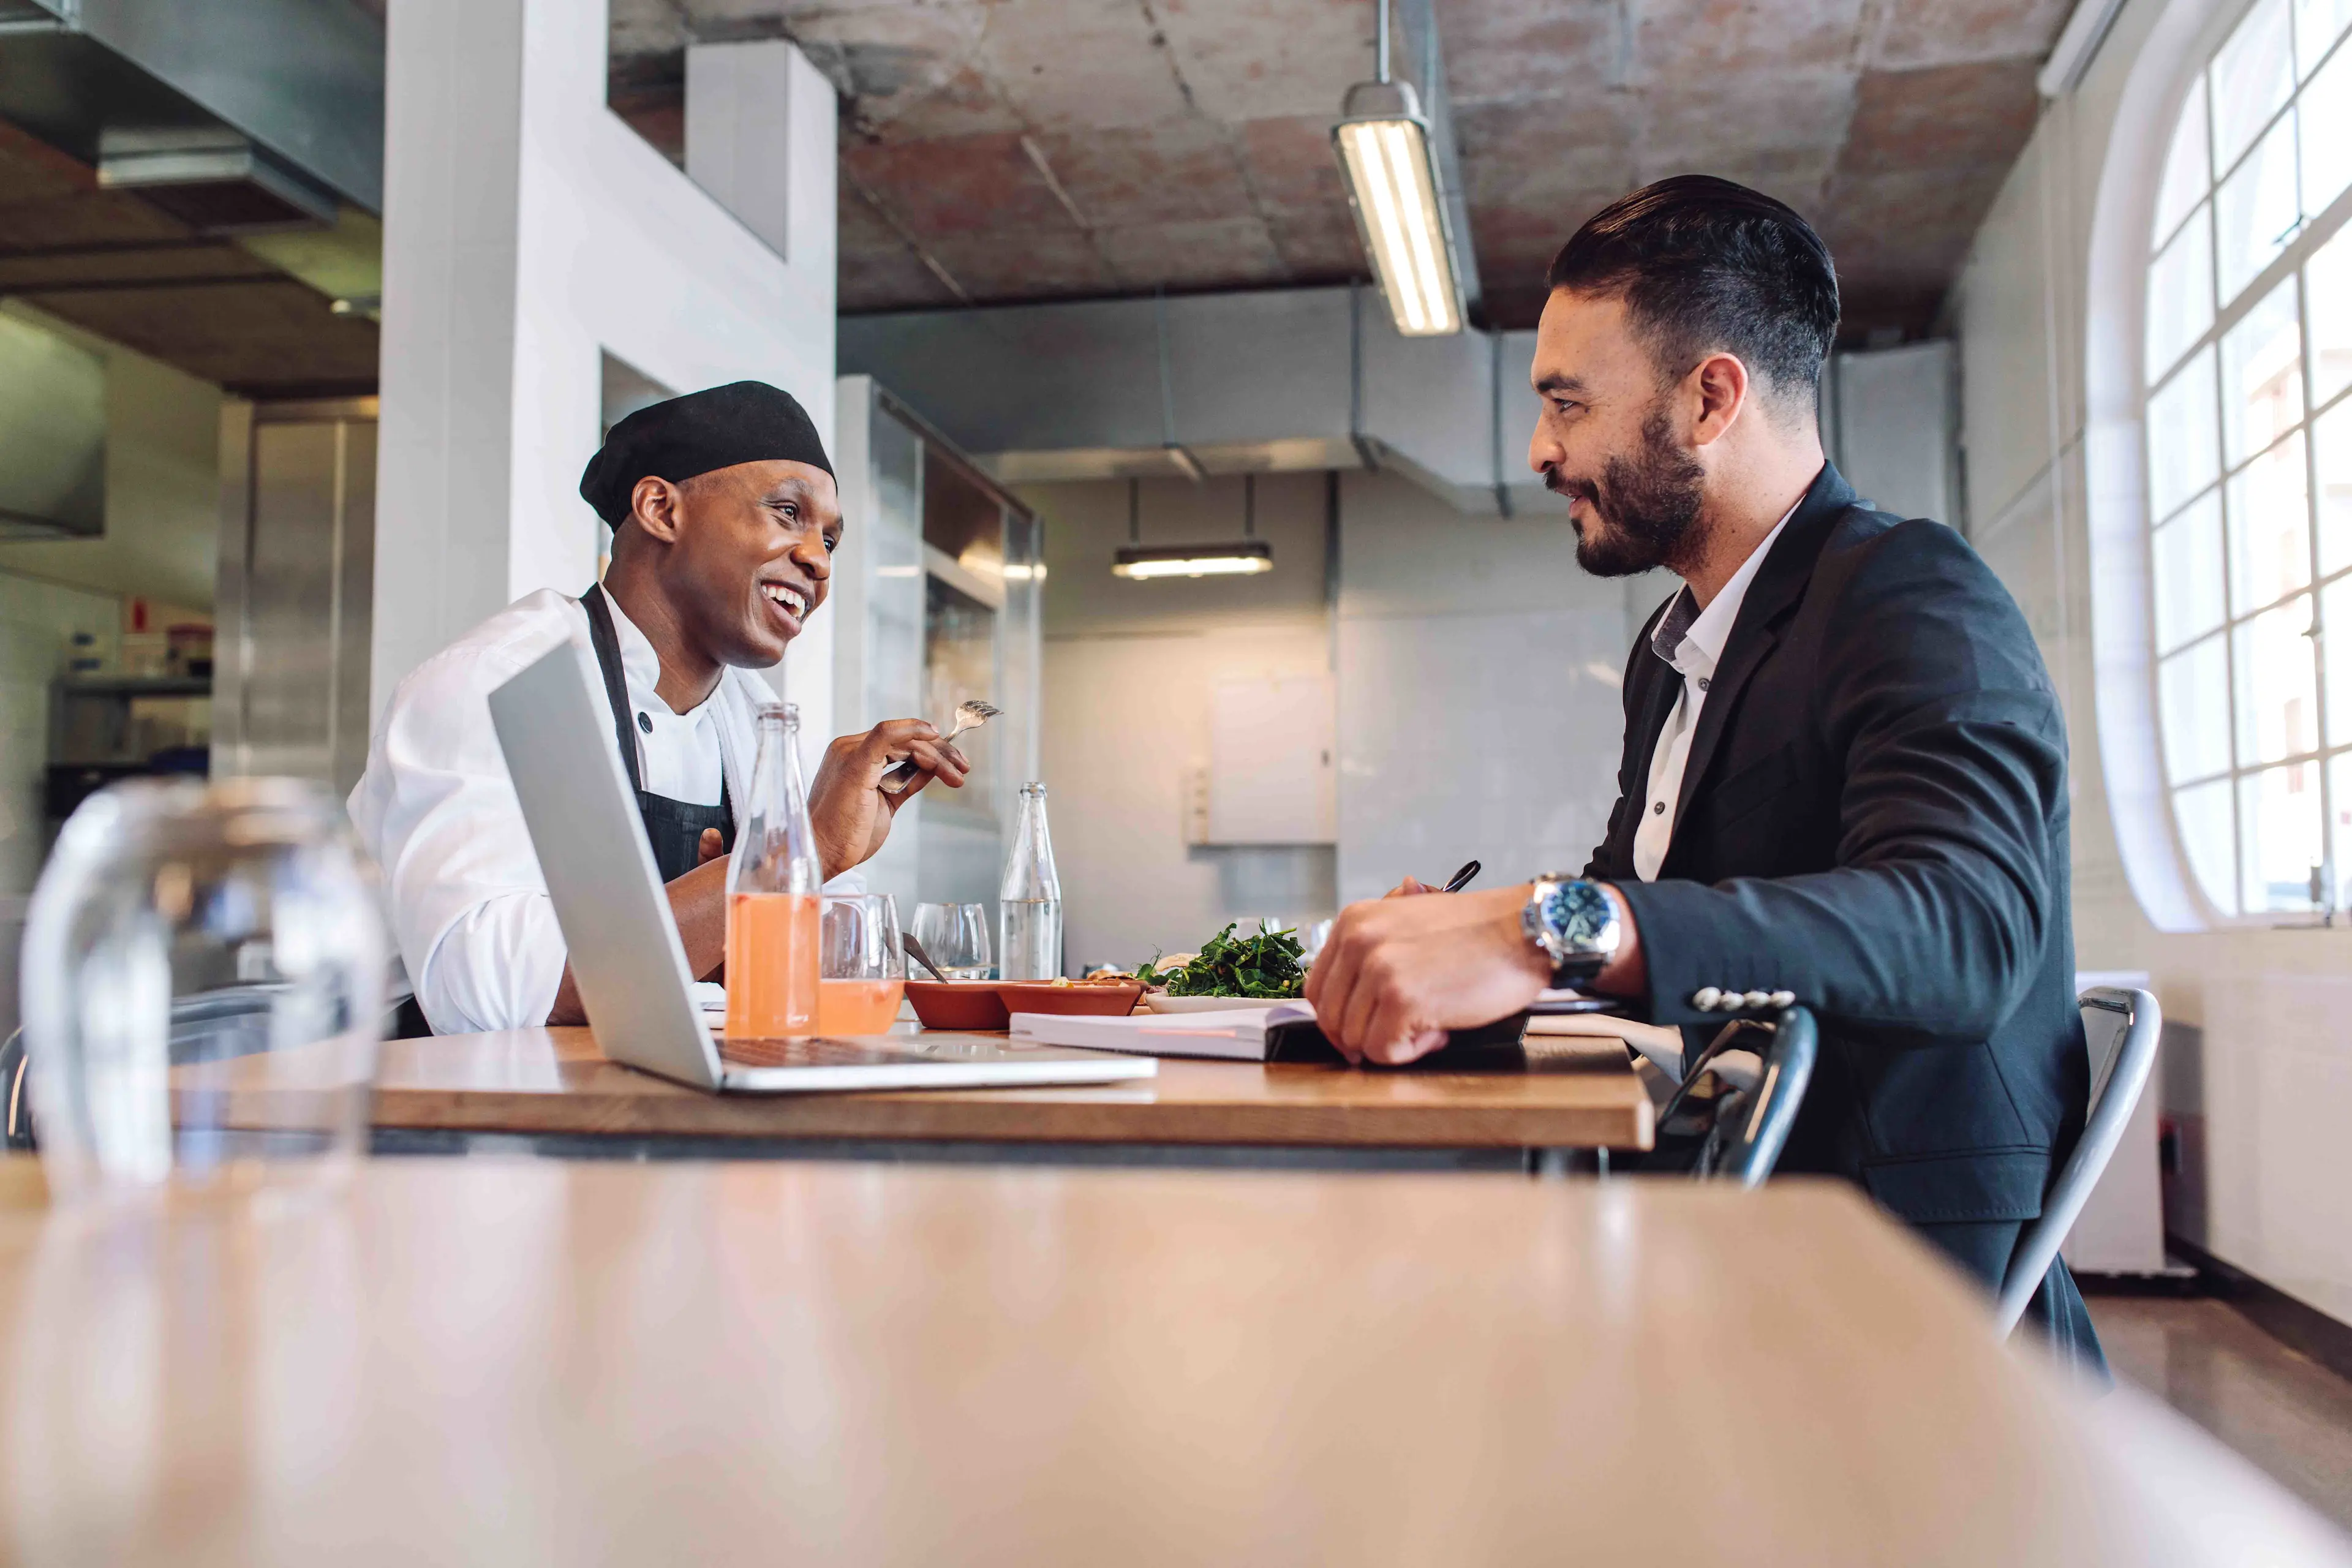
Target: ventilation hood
<point x="233" y="115"/>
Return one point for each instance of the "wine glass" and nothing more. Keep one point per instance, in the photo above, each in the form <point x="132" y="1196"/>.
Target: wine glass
<point x="861" y="965"/>
<point x="956" y="937"/>
<point x="203" y="987"/>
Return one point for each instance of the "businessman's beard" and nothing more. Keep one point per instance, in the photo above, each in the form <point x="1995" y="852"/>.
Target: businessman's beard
<point x="1646" y="505"/>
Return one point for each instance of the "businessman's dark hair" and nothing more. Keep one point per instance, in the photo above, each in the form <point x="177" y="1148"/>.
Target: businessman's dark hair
<point x="1703" y="265"/>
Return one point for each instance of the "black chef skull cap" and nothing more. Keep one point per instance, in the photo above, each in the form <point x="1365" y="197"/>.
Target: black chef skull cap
<point x="743" y="422"/>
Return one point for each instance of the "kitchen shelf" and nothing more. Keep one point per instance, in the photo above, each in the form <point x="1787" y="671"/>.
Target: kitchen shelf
<point x="136" y="686"/>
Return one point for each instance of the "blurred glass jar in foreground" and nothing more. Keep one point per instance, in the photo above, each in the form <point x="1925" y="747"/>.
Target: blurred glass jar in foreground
<point x="202" y="983"/>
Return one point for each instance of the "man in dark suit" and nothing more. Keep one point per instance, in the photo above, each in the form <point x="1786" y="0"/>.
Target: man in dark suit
<point x="1844" y="769"/>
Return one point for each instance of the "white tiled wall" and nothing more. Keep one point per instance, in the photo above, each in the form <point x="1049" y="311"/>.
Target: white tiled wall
<point x="1480" y="710"/>
<point x="37" y="618"/>
<point x="1477" y="672"/>
<point x="1130" y="669"/>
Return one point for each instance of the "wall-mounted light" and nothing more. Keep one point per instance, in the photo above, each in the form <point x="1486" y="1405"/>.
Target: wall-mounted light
<point x="1247" y="557"/>
<point x="1384" y="151"/>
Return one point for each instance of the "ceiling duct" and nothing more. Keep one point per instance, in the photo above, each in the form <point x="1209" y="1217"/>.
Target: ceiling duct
<point x="236" y="115"/>
<point x="53" y="427"/>
<point x="213" y="179"/>
<point x="1260" y="382"/>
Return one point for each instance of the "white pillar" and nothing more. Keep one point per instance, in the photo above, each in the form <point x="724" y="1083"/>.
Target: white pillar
<point x="526" y="228"/>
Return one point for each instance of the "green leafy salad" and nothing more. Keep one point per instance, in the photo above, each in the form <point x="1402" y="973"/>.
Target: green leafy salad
<point x="1264" y="967"/>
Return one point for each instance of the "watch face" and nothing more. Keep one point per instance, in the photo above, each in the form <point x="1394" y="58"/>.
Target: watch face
<point x="1579" y="912"/>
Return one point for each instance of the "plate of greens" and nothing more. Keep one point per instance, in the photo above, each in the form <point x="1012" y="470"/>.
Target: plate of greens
<point x="1229" y="970"/>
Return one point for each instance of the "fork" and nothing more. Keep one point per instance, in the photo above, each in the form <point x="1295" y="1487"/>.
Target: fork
<point x="968" y="715"/>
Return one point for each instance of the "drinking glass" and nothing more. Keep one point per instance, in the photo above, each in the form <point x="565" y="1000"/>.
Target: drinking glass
<point x="956" y="936"/>
<point x="861" y="968"/>
<point x="204" y="984"/>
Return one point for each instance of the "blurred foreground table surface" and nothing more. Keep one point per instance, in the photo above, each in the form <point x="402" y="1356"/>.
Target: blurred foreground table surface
<point x="556" y="1081"/>
<point x="548" y="1362"/>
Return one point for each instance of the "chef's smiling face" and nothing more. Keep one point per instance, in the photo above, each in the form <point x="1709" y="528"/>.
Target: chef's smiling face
<point x="1607" y="437"/>
<point x="751" y="556"/>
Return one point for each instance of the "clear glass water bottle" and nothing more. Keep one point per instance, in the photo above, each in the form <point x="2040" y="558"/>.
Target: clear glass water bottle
<point x="1029" y="911"/>
<point x="771" y="893"/>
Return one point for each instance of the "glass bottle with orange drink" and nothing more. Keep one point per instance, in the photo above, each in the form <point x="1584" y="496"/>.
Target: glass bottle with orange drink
<point x="772" y="894"/>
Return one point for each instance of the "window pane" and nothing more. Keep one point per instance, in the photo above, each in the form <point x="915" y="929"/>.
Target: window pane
<point x="2336" y="620"/>
<point x="2189" y="599"/>
<point x="2181" y="293"/>
<point x="2184" y="452"/>
<point x="2339" y="784"/>
<point x="2333" y="433"/>
<point x="2270" y="529"/>
<point x="2261" y="375"/>
<point x="2210" y="835"/>
<point x="2325" y="113"/>
<point x="2317" y="25"/>
<point x="2193" y="697"/>
<point x="2187" y="172"/>
<point x="2278" y="700"/>
<point x="2328" y="295"/>
<point x="2257" y="210"/>
<point x="2278" y="824"/>
<point x="2251" y="78"/>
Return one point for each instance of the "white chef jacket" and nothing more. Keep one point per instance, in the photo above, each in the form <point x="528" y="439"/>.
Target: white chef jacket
<point x="1691" y="639"/>
<point x="469" y="908"/>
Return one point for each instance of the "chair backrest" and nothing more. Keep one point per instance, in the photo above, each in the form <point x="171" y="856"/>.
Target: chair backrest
<point x="2120" y="1028"/>
<point x="1744" y="1145"/>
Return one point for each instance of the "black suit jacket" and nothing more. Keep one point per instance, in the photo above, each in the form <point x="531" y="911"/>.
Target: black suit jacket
<point x="1874" y="816"/>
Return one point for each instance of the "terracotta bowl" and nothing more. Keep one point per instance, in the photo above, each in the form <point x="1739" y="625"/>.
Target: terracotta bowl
<point x="959" y="1004"/>
<point x="1114" y="1001"/>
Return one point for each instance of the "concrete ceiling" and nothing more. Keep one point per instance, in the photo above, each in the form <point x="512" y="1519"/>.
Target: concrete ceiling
<point x="997" y="150"/>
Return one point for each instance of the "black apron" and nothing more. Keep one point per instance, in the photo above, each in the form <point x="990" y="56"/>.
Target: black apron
<point x="673" y="828"/>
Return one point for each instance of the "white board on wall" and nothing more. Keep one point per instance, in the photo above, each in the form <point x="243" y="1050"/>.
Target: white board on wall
<point x="1271" y="747"/>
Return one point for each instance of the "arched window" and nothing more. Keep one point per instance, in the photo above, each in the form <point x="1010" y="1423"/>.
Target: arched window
<point x="2248" y="357"/>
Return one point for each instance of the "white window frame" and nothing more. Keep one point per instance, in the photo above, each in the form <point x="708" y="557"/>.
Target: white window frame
<point x="2176" y="50"/>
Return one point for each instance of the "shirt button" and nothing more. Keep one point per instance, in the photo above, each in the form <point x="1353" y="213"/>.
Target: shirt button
<point x="645" y="722"/>
<point x="1702" y="683"/>
<point x="1659" y="809"/>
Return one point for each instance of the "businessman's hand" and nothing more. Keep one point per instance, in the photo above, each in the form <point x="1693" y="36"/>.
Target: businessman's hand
<point x="1396" y="973"/>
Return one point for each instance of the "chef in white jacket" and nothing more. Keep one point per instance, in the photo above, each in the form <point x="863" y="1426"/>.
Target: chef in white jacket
<point x="724" y="521"/>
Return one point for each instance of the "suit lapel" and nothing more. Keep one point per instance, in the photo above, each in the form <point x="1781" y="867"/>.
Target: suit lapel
<point x="1778" y="586"/>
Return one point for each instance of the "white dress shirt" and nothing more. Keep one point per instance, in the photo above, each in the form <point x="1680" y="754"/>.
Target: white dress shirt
<point x="1691" y="639"/>
<point x="468" y="906"/>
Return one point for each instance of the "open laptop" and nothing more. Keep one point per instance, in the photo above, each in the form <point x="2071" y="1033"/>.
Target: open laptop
<point x="556" y="731"/>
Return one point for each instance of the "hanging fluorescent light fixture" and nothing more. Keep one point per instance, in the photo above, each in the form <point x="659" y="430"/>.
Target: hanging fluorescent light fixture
<point x="1384" y="151"/>
<point x="1247" y="557"/>
<point x="1241" y="559"/>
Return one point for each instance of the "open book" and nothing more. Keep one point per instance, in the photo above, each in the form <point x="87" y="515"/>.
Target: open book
<point x="1285" y="1032"/>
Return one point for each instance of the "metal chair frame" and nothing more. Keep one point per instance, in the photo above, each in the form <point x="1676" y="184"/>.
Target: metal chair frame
<point x="1745" y="1148"/>
<point x="2117" y="1080"/>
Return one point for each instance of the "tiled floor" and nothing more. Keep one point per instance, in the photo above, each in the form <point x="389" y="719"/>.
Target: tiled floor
<point x="2285" y="1412"/>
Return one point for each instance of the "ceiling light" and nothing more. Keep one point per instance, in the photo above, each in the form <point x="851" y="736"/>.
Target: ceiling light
<point x="1384" y="151"/>
<point x="1245" y="558"/>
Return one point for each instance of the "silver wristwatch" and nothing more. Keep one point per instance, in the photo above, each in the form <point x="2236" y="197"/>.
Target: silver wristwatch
<point x="1573" y="923"/>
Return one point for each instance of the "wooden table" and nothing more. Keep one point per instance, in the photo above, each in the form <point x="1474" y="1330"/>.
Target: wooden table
<point x="554" y="1084"/>
<point x="576" y="1362"/>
